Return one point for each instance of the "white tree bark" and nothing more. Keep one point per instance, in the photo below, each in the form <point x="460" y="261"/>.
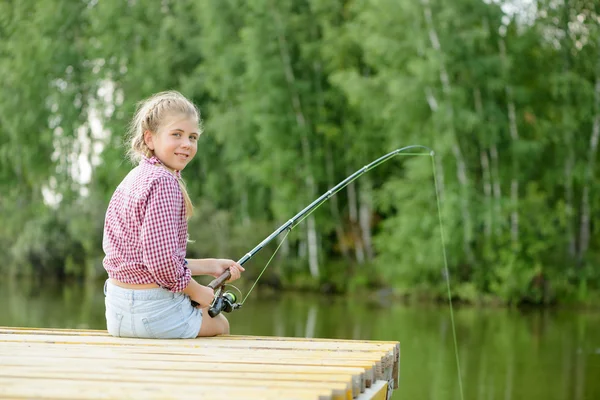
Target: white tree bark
<point x="569" y="207"/>
<point x="313" y="255"/>
<point x="461" y="170"/>
<point x="330" y="170"/>
<point x="364" y="216"/>
<point x="584" y="230"/>
<point x="486" y="173"/>
<point x="439" y="167"/>
<point x="285" y="248"/>
<point x="487" y="192"/>
<point x="567" y="45"/>
<point x="514" y="134"/>
<point x="496" y="187"/>
<point x="333" y="203"/>
<point x="353" y="214"/>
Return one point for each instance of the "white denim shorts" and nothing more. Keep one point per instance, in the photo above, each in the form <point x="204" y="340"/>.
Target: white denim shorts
<point x="150" y="313"/>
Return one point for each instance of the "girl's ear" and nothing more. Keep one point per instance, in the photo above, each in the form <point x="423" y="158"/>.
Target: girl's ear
<point x="148" y="140"/>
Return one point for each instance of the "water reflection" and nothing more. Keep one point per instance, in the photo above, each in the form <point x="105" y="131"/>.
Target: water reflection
<point x="504" y="354"/>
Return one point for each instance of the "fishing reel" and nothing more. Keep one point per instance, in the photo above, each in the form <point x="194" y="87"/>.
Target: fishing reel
<point x="224" y="301"/>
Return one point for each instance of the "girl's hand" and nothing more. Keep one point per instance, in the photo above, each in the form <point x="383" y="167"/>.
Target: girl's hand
<point x="222" y="265"/>
<point x="203" y="296"/>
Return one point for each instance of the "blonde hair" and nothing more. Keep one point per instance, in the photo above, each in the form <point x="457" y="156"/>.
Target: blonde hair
<point x="149" y="116"/>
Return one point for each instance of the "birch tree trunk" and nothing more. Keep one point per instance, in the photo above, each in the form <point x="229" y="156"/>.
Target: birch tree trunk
<point x="330" y="168"/>
<point x="514" y="135"/>
<point x="285" y="248"/>
<point x="487" y="192"/>
<point x="364" y="216"/>
<point x="486" y="173"/>
<point x="567" y="137"/>
<point x="461" y="170"/>
<point x="569" y="214"/>
<point x="584" y="229"/>
<point x="313" y="258"/>
<point x="353" y="214"/>
<point x="333" y="203"/>
<point x="439" y="167"/>
<point x="496" y="187"/>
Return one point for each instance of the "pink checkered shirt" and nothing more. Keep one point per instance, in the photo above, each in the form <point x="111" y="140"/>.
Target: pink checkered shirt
<point x="145" y="230"/>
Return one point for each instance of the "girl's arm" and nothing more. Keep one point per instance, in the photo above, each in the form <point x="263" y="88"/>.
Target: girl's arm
<point x="161" y="233"/>
<point x="203" y="295"/>
<point x="214" y="267"/>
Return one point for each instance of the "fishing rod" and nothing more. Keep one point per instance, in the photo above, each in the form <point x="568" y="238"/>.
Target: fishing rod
<point x="227" y="301"/>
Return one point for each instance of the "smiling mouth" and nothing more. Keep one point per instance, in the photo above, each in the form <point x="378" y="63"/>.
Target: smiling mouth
<point x="182" y="155"/>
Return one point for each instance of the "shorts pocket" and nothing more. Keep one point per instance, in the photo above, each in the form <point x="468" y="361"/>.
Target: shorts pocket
<point x="168" y="324"/>
<point x="114" y="321"/>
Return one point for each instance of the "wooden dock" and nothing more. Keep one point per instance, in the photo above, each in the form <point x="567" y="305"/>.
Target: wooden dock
<point x="90" y="364"/>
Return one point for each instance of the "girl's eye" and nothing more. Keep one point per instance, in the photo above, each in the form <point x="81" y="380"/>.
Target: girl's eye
<point x="194" y="138"/>
<point x="176" y="134"/>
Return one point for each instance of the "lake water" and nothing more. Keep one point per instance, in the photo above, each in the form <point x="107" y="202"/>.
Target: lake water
<point x="504" y="354"/>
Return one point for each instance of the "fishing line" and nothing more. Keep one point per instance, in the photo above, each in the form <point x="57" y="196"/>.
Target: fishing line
<point x="266" y="265"/>
<point x="447" y="276"/>
<point x="302" y="215"/>
<point x="332" y="192"/>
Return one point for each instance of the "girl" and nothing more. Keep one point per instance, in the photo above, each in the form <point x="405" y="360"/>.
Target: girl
<point x="150" y="285"/>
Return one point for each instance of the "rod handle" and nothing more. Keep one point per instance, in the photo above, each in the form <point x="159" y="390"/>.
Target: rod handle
<point x="218" y="282"/>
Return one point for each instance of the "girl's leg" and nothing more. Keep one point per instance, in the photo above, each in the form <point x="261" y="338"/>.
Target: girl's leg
<point x="213" y="326"/>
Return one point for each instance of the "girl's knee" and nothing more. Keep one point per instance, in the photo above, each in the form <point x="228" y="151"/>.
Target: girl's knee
<point x="225" y="325"/>
<point x="218" y="325"/>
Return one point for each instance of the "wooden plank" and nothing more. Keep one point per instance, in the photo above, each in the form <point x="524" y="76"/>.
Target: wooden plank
<point x="300" y="357"/>
<point x="384" y="359"/>
<point x="389" y="367"/>
<point x="58" y="351"/>
<point x="281" y="359"/>
<point x="336" y="369"/>
<point x="181" y="346"/>
<point x="378" y="391"/>
<point x="89" y="389"/>
<point x="324" y="340"/>
<point x="231" y="341"/>
<point x="63" y="362"/>
<point x="93" y="332"/>
<point x="269" y="342"/>
<point x="307" y="373"/>
<point x="338" y="390"/>
<point x="219" y="342"/>
<point x="54" y="331"/>
<point x="191" y="376"/>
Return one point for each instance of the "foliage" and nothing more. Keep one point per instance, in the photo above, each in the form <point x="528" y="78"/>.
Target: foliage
<point x="295" y="96"/>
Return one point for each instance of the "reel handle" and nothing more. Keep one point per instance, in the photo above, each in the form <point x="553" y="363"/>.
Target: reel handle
<point x="218" y="282"/>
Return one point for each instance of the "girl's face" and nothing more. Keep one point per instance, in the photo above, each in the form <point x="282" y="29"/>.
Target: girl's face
<point x="175" y="143"/>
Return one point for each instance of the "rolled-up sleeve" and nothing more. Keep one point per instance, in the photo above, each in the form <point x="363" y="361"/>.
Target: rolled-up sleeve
<point x="161" y="235"/>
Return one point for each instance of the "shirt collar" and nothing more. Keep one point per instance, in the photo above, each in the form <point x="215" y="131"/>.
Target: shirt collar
<point x="155" y="161"/>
